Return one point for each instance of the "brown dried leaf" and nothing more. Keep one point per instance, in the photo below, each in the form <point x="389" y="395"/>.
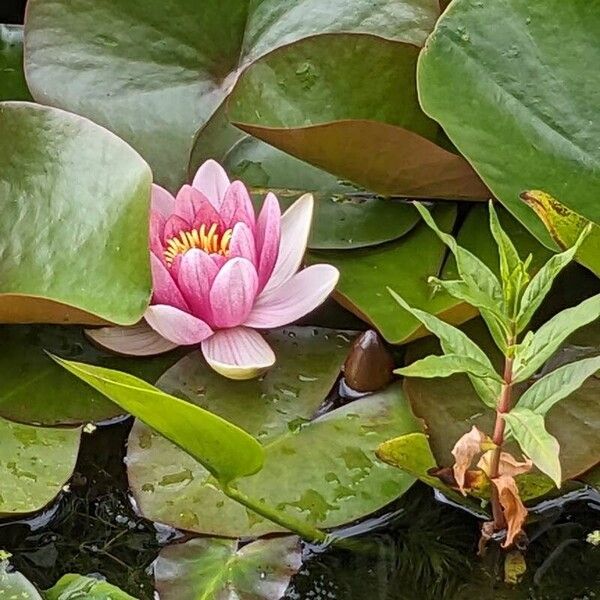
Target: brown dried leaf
<point x="464" y="451"/>
<point x="509" y="465"/>
<point x="514" y="510"/>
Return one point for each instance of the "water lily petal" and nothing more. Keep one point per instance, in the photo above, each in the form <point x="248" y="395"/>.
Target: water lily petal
<point x="233" y="292"/>
<point x="295" y="298"/>
<point x="162" y="201"/>
<point x="238" y="353"/>
<point x="237" y="206"/>
<point x="157" y="230"/>
<point x="177" y="326"/>
<point x="212" y="181"/>
<point x="242" y="243"/>
<point x="164" y="288"/>
<point x="197" y="271"/>
<point x="268" y="231"/>
<point x="195" y="208"/>
<point x="138" y="340"/>
<point x="218" y="259"/>
<point x="295" y="227"/>
<point x="174" y="225"/>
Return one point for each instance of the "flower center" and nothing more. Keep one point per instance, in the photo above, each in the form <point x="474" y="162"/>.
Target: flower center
<point x="210" y="241"/>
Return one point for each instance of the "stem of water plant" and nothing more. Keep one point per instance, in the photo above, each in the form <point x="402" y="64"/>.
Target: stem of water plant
<point x="303" y="529"/>
<point x="504" y="406"/>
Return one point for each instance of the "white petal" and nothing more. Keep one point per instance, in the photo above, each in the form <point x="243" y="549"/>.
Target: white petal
<point x="238" y="353"/>
<point x="295" y="227"/>
<point x="212" y="181"/>
<point x="294" y="299"/>
<point x="177" y="325"/>
<point x="139" y="340"/>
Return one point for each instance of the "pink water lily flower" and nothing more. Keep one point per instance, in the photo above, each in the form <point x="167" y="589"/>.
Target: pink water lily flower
<point x="220" y="273"/>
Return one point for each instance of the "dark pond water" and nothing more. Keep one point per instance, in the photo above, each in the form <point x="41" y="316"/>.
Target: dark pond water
<point x="418" y="547"/>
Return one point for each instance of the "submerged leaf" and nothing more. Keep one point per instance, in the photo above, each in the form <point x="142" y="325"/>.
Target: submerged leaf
<point x="218" y="569"/>
<point x="513" y="508"/>
<point x="70" y="587"/>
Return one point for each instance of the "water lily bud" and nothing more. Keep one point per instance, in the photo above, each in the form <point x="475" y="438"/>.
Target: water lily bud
<point x="369" y="366"/>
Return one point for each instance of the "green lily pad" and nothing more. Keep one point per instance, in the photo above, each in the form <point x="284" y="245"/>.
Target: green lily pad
<point x="156" y="81"/>
<point x="215" y="569"/>
<point x="365" y="275"/>
<point x="73" y="587"/>
<point x="35" y="463"/>
<point x="34" y="389"/>
<point x="12" y="78"/>
<point x="343" y="483"/>
<point x="450" y="406"/>
<point x="15" y="585"/>
<point x="74" y="229"/>
<point x="349" y="105"/>
<point x="531" y="103"/>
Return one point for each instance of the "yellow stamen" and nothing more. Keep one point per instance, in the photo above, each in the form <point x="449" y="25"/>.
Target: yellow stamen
<point x="208" y="241"/>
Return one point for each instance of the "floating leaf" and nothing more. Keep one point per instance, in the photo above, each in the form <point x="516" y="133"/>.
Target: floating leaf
<point x="35" y="463"/>
<point x="34" y="389"/>
<point x="215" y="569"/>
<point x="74" y="229"/>
<point x="71" y="587"/>
<point x="14" y="585"/>
<point x="12" y="83"/>
<point x="529" y="429"/>
<point x="345" y="480"/>
<point x="156" y="81"/>
<point x="225" y="450"/>
<point x="531" y="122"/>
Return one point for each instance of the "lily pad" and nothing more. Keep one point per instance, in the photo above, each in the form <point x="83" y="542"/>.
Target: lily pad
<point x="72" y="587"/>
<point x="12" y="78"/>
<point x="34" y="389"/>
<point x="74" y="230"/>
<point x="345" y="480"/>
<point x="156" y="81"/>
<point x="15" y="585"/>
<point x="450" y="407"/>
<point x="215" y="569"/>
<point x="532" y="103"/>
<point x="35" y="463"/>
<point x="349" y="105"/>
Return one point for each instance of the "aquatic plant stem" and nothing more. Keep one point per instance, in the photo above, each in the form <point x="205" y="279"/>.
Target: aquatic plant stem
<point x="504" y="406"/>
<point x="303" y="529"/>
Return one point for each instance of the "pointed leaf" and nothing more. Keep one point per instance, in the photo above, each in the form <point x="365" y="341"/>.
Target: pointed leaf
<point x="509" y="257"/>
<point x="219" y="569"/>
<point x="454" y="341"/>
<point x="542" y="281"/>
<point x="529" y="430"/>
<point x="446" y="365"/>
<point x="558" y="384"/>
<point x="227" y="451"/>
<point x="551" y="335"/>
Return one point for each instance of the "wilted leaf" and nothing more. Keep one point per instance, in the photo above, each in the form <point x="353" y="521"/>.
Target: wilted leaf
<point x="465" y="450"/>
<point x="508" y="464"/>
<point x="543" y="449"/>
<point x="218" y="569"/>
<point x="513" y="508"/>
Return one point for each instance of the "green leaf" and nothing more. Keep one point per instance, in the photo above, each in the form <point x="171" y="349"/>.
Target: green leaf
<point x="35" y="463"/>
<point x="364" y="274"/>
<point x="454" y="341"/>
<point x="450" y="406"/>
<point x="15" y="585"/>
<point x="157" y="72"/>
<point x="70" y="587"/>
<point x="542" y="281"/>
<point x="223" y="449"/>
<point x="566" y="226"/>
<point x="12" y="83"/>
<point x="547" y="339"/>
<point x="74" y="230"/>
<point x="446" y="365"/>
<point x="345" y="480"/>
<point x="348" y="104"/>
<point x="34" y="389"/>
<point x="531" y="121"/>
<point x="529" y="431"/>
<point x="215" y="569"/>
<point x="558" y="384"/>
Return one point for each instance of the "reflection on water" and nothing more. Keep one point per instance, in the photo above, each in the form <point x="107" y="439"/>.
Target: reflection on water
<point x="418" y="548"/>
